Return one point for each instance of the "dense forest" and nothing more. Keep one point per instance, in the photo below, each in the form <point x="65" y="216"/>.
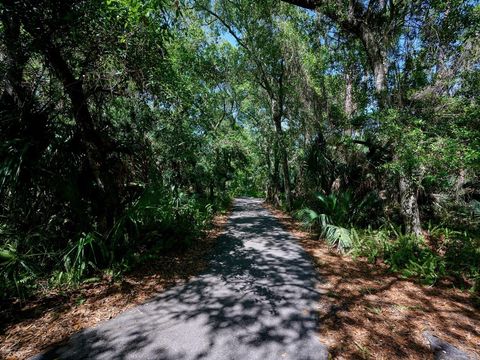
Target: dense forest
<point x="126" y="125"/>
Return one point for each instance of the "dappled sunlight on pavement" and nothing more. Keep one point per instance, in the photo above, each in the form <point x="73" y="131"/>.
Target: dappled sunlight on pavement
<point x="257" y="301"/>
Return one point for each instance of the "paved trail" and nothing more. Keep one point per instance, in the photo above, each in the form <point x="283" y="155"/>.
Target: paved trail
<point x="257" y="301"/>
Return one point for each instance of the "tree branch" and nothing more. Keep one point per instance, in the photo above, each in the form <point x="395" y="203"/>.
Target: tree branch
<point x="264" y="83"/>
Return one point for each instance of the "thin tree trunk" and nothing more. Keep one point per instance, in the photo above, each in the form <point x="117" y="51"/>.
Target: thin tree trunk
<point x="409" y="205"/>
<point x="275" y="180"/>
<point x="461" y="179"/>
<point x="273" y="187"/>
<point x="277" y="120"/>
<point x="269" y="189"/>
<point x="286" y="181"/>
<point x="376" y="50"/>
<point x="349" y="105"/>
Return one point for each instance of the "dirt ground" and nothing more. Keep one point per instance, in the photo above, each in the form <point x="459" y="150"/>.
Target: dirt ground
<point x="27" y="329"/>
<point x="371" y="313"/>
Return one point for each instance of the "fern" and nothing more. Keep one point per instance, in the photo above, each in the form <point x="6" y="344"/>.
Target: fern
<point x="16" y="269"/>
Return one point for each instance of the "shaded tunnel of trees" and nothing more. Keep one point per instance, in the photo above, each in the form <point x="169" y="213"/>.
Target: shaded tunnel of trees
<point x="127" y="125"/>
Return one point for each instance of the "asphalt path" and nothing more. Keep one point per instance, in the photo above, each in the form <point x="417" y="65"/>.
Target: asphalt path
<point x="256" y="301"/>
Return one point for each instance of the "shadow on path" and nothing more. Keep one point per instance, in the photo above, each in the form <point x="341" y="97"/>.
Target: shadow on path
<point x="257" y="301"/>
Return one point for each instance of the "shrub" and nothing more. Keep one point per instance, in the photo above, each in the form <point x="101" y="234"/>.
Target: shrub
<point x="332" y="219"/>
<point x="336" y="236"/>
<point x="16" y="270"/>
<point x="80" y="259"/>
<point x="159" y="220"/>
<point x="370" y="243"/>
<point x="407" y="254"/>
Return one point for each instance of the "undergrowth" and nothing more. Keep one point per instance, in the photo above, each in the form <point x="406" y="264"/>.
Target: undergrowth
<point x="158" y="222"/>
<point x="440" y="253"/>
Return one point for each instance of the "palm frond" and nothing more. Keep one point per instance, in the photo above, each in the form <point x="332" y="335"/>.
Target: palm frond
<point x="337" y="236"/>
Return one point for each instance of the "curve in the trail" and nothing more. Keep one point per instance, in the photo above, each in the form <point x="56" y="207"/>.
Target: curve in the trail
<point x="257" y="301"/>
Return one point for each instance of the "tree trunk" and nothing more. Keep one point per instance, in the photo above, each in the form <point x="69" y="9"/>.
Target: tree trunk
<point x="349" y="105"/>
<point x="461" y="180"/>
<point x="97" y="148"/>
<point x="276" y="179"/>
<point x="375" y="46"/>
<point x="273" y="187"/>
<point x="269" y="188"/>
<point x="274" y="183"/>
<point x="376" y="49"/>
<point x="286" y="181"/>
<point x="409" y="206"/>
<point x="277" y="120"/>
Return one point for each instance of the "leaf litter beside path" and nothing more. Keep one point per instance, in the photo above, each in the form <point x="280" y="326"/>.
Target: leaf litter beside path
<point x="27" y="329"/>
<point x="368" y="312"/>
